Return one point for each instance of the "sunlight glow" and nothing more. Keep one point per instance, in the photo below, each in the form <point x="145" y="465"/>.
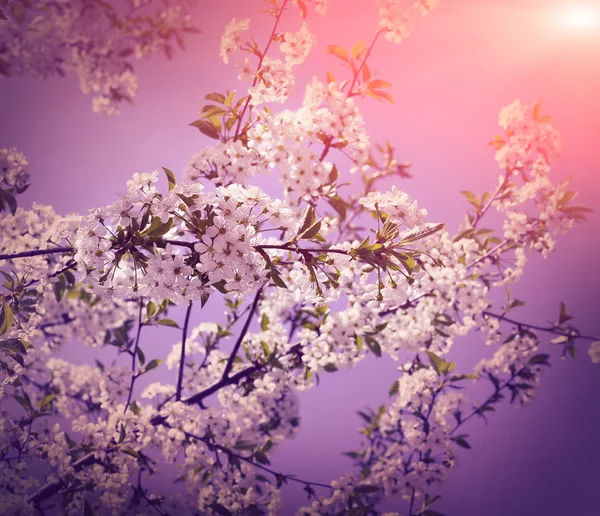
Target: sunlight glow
<point x="580" y="17"/>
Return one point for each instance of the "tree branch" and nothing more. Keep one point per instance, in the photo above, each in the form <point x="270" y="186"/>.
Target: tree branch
<point x="37" y="252"/>
<point x="134" y="355"/>
<point x="304" y="250"/>
<point x="182" y="358"/>
<point x="231" y="453"/>
<point x="548" y="329"/>
<point x="236" y="348"/>
<point x="260" y="62"/>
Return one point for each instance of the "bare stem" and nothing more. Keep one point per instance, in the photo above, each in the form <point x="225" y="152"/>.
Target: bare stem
<point x="304" y="250"/>
<point x="236" y="348"/>
<point x="37" y="252"/>
<point x="260" y="62"/>
<point x="134" y="356"/>
<point x="182" y="358"/>
<point x="248" y="460"/>
<point x="548" y="329"/>
<point x="362" y="64"/>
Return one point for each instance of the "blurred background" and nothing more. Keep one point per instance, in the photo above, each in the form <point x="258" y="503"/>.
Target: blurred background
<point x="450" y="79"/>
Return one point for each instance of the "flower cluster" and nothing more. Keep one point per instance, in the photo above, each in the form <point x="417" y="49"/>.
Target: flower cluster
<point x="93" y="40"/>
<point x="297" y="45"/>
<point x="312" y="282"/>
<point x="13" y="165"/>
<point x="397" y="204"/>
<point x="231" y="40"/>
<point x="397" y="22"/>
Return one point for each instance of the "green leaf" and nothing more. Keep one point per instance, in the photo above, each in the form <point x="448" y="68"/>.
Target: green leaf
<point x="153" y="364"/>
<point x="359" y="342"/>
<point x="563" y="316"/>
<point x="46" y="401"/>
<point x="366" y="489"/>
<point x="276" y="277"/>
<point x="6" y="318"/>
<point x="216" y="97"/>
<point x="261" y="457"/>
<point x="339" y="205"/>
<point x="141" y="356"/>
<point x="167" y="322"/>
<point x="229" y="99"/>
<point x="462" y="443"/>
<point x="265" y="348"/>
<point x="244" y="445"/>
<point x="13" y="346"/>
<point x="539" y="359"/>
<point x="210" y="110"/>
<point x="311" y="231"/>
<point x="472" y="198"/>
<point x="9" y="200"/>
<point x="264" y="323"/>
<point x="374" y="346"/>
<point x="132" y="453"/>
<point x="458" y="377"/>
<point x="135" y="408"/>
<point x="436" y="362"/>
<point x="308" y="221"/>
<point x="170" y="178"/>
<point x="122" y="435"/>
<point x="24" y="402"/>
<point x="333" y="175"/>
<point x="158" y="228"/>
<point x="206" y="128"/>
<point x="421" y="232"/>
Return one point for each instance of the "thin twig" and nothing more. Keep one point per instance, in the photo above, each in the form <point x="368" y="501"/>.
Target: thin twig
<point x="231" y="453"/>
<point x="236" y="348"/>
<point x="548" y="329"/>
<point x="134" y="355"/>
<point x="37" y="252"/>
<point x="362" y="64"/>
<point x="182" y="358"/>
<point x="260" y="62"/>
<point x="304" y="250"/>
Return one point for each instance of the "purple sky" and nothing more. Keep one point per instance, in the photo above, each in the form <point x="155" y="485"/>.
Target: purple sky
<point x="462" y="64"/>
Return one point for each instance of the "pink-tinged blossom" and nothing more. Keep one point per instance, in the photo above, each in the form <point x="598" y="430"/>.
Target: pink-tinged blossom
<point x="13" y="164"/>
<point x="397" y="18"/>
<point x="297" y="45"/>
<point x="232" y="38"/>
<point x="397" y="204"/>
<point x="594" y="351"/>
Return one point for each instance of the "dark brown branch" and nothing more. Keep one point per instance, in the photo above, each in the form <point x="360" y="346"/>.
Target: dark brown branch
<point x="182" y="358"/>
<point x="37" y="252"/>
<point x="304" y="250"/>
<point x="51" y="488"/>
<point x="236" y="348"/>
<point x="548" y="329"/>
<point x="248" y="460"/>
<point x="133" y="356"/>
